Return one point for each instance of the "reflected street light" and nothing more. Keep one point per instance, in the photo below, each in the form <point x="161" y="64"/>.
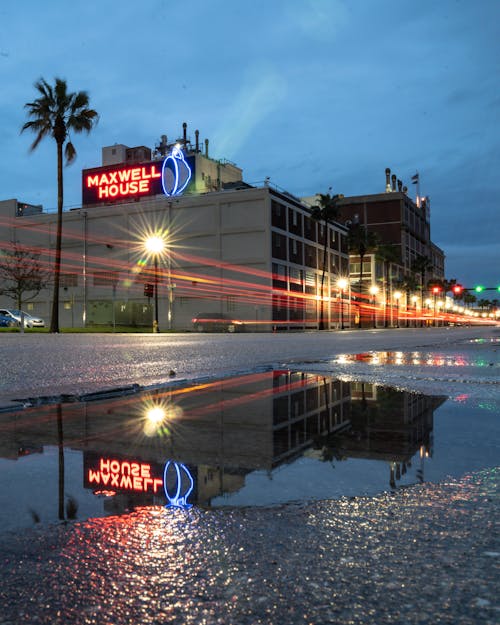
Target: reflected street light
<point x="342" y="283"/>
<point x="154" y="246"/>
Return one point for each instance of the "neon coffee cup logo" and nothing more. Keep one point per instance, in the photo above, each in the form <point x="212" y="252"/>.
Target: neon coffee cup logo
<point x="177" y="484"/>
<point x="175" y="173"/>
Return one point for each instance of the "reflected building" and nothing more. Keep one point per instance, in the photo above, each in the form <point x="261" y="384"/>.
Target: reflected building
<point x="221" y="430"/>
<point x="387" y="425"/>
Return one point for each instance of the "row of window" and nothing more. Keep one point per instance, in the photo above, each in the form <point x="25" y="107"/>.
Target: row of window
<point x="99" y="278"/>
<point x="301" y="253"/>
<point x="293" y="221"/>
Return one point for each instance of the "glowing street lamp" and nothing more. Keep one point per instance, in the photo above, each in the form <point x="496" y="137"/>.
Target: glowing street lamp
<point x="154" y="246"/>
<point x="342" y="283"/>
<point x="373" y="292"/>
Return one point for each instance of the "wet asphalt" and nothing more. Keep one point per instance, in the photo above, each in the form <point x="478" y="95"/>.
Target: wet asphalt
<point x="425" y="554"/>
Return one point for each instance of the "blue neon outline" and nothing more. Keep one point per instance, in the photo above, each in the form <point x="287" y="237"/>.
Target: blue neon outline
<point x="175" y="155"/>
<point x="176" y="501"/>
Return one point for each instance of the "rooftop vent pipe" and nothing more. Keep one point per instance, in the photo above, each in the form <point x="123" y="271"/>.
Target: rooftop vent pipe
<point x="393" y="178"/>
<point x="206" y="148"/>
<point x="387" y="180"/>
<point x="197" y="135"/>
<point x="184" y="134"/>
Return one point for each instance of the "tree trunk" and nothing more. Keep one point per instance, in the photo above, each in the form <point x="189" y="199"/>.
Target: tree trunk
<point x="54" y="320"/>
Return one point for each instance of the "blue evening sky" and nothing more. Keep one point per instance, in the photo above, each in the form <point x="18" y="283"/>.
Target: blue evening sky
<point x="312" y="93"/>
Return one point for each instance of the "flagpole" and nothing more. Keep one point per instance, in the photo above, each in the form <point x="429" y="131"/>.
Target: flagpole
<point x="416" y="180"/>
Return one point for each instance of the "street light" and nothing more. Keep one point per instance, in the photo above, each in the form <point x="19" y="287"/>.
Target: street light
<point x="154" y="246"/>
<point x="342" y="283"/>
<point x="374" y="291"/>
<point x="397" y="296"/>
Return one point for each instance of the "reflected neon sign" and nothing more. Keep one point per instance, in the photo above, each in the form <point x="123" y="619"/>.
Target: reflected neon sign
<point x="182" y="484"/>
<point x="108" y="475"/>
<point x="119" y="474"/>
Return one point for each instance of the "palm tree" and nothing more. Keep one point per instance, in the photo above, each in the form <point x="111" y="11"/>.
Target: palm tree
<point x="389" y="255"/>
<point x="55" y="114"/>
<point x="469" y="298"/>
<point x="421" y="265"/>
<point x="360" y="241"/>
<point x="327" y="211"/>
<point x="408" y="284"/>
<point x="484" y="304"/>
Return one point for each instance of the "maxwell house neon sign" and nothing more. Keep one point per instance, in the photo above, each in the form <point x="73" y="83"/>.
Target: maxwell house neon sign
<point x="106" y="184"/>
<point x="118" y="474"/>
<point x="114" y="474"/>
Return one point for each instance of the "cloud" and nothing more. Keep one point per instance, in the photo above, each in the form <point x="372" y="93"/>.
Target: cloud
<point x="261" y="93"/>
<point x="319" y="19"/>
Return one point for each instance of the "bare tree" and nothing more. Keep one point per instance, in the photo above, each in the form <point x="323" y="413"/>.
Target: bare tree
<point x="22" y="275"/>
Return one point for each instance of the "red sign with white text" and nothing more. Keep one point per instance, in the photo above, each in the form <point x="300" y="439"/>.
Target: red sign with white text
<point x="108" y="184"/>
<point x="112" y="473"/>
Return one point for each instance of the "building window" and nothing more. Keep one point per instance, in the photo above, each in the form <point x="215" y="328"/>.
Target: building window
<point x="310" y="282"/>
<point x="230" y="303"/>
<point x="296" y="279"/>
<point x="68" y="279"/>
<point x="278" y="246"/>
<point x="105" y="278"/>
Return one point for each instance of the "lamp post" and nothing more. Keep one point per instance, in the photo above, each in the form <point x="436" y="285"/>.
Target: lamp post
<point x="397" y="297"/>
<point x="428" y="303"/>
<point x="373" y="292"/>
<point x="414" y="300"/>
<point x="154" y="246"/>
<point x="342" y="283"/>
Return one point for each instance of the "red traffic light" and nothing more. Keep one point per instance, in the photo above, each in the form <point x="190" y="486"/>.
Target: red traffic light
<point x="457" y="289"/>
<point x="436" y="289"/>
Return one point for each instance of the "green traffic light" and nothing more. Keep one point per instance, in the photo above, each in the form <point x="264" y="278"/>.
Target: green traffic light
<point x="479" y="288"/>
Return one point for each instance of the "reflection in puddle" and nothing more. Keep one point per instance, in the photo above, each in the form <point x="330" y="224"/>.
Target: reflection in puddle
<point x="261" y="438"/>
<point x="413" y="358"/>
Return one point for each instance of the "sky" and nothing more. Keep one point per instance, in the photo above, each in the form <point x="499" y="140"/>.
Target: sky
<point x="314" y="94"/>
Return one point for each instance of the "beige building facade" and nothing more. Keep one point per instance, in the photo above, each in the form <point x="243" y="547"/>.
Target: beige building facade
<point x="250" y="254"/>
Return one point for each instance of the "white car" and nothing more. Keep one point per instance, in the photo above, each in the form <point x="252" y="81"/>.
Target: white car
<point x="29" y="320"/>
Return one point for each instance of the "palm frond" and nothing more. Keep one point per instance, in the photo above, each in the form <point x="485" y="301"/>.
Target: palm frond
<point x="69" y="152"/>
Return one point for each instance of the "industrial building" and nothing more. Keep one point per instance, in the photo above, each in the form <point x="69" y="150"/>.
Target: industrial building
<point x="248" y="256"/>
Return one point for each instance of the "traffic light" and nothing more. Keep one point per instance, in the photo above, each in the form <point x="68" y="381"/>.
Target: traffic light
<point x="479" y="288"/>
<point x="457" y="289"/>
<point x="148" y="290"/>
<point x="436" y="289"/>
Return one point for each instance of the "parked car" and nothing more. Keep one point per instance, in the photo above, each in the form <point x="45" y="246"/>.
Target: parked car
<point x="217" y="322"/>
<point x="7" y="322"/>
<point x="29" y="320"/>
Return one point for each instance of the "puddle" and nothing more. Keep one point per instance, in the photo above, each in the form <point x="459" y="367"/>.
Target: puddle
<point x="263" y="438"/>
<point x="419" y="358"/>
